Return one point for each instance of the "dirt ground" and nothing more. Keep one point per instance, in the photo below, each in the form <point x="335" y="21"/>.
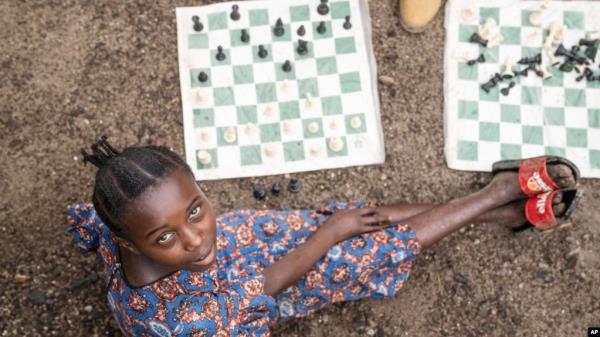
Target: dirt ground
<point x="74" y="70"/>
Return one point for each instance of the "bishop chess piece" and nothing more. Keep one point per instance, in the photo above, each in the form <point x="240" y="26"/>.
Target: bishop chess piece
<point x="279" y="30"/>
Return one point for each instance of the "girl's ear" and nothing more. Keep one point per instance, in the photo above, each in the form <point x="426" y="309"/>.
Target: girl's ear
<point x="128" y="245"/>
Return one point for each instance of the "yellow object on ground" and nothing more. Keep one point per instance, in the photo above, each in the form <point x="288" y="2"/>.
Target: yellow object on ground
<point x="415" y="15"/>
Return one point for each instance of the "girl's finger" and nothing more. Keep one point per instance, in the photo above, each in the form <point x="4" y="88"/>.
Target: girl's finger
<point x="366" y="211"/>
<point x="375" y="220"/>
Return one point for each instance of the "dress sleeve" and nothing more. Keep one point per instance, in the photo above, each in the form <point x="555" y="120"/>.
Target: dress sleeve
<point x="85" y="226"/>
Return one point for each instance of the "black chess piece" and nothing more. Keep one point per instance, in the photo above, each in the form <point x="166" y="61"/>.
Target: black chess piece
<point x="245" y="37"/>
<point x="262" y="52"/>
<point x="347" y="23"/>
<point x="235" y="13"/>
<point x="562" y="51"/>
<point x="575" y="49"/>
<point x="202" y="77"/>
<point x="259" y="192"/>
<point x="476" y="38"/>
<point x="294" y="186"/>
<point x="587" y="74"/>
<point x="480" y="59"/>
<point x="321" y="28"/>
<point x="198" y="26"/>
<point x="587" y="43"/>
<point x="497" y="78"/>
<point x="278" y="30"/>
<point x="536" y="70"/>
<point x="287" y="66"/>
<point x="537" y="59"/>
<point x="591" y="52"/>
<point x="506" y="91"/>
<point x="566" y="67"/>
<point x="277" y="189"/>
<point x="323" y="9"/>
<point x="302" y="47"/>
<point x="220" y="54"/>
<point x="301" y="30"/>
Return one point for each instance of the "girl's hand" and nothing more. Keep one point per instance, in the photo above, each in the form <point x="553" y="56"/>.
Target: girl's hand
<point x="347" y="223"/>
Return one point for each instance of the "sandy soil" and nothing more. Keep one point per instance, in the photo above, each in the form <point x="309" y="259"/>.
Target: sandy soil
<point x="73" y="70"/>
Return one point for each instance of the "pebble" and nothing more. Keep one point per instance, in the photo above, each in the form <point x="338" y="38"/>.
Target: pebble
<point x="387" y="80"/>
<point x="88" y="308"/>
<point x="36" y="296"/>
<point x="370" y="332"/>
<point x="20" y="278"/>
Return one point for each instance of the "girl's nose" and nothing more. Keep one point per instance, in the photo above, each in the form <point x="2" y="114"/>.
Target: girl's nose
<point x="192" y="239"/>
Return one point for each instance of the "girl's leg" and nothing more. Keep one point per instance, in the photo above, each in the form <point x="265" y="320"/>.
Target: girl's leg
<point x="438" y="222"/>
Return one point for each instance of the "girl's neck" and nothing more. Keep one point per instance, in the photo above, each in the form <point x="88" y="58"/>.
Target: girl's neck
<point x="140" y="271"/>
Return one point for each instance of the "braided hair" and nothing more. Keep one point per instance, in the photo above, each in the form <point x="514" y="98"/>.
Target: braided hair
<point x="124" y="176"/>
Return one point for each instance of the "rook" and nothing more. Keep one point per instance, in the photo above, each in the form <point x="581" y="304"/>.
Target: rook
<point x="476" y="38"/>
<point x="302" y="47"/>
<point x="537" y="59"/>
<point x="321" y="28"/>
<point x="294" y="185"/>
<point x="323" y="9"/>
<point x="235" y="13"/>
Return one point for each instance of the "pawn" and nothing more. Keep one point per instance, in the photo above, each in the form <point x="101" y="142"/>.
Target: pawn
<point x="198" y="26"/>
<point x="506" y="91"/>
<point x="276" y="189"/>
<point x="235" y="13"/>
<point x="220" y="54"/>
<point x="323" y="9"/>
<point x="476" y="38"/>
<point x="347" y="23"/>
<point x="245" y="37"/>
<point x="287" y="66"/>
<point x="262" y="52"/>
<point x="321" y="28"/>
<point x="202" y="77"/>
<point x="294" y="186"/>
<point x="259" y="192"/>
<point x="301" y="30"/>
<point x="480" y="59"/>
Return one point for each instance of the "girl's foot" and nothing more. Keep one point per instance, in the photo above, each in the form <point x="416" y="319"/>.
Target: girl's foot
<point x="506" y="183"/>
<point x="513" y="215"/>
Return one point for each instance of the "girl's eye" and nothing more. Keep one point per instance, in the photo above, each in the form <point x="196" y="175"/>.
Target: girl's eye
<point x="195" y="211"/>
<point x="165" y="238"/>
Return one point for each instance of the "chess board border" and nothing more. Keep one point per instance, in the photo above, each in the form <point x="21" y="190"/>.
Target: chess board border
<point x="329" y="163"/>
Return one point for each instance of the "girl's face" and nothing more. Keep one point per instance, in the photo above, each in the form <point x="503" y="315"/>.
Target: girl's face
<point x="173" y="224"/>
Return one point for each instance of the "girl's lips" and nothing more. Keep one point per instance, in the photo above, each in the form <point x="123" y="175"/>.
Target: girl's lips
<point x="208" y="258"/>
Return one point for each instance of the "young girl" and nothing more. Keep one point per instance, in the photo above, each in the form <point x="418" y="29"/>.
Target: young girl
<point x="175" y="269"/>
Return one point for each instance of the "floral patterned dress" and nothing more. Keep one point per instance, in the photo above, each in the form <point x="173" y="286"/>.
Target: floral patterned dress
<point x="228" y="299"/>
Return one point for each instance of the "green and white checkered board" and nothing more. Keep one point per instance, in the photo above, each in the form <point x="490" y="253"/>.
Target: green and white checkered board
<point x="558" y="116"/>
<point x="245" y="92"/>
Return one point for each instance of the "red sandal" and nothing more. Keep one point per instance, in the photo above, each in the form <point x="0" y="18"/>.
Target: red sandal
<point x="539" y="213"/>
<point x="533" y="172"/>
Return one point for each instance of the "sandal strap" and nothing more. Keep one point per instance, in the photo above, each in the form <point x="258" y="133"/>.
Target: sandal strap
<point x="534" y="178"/>
<point x="538" y="210"/>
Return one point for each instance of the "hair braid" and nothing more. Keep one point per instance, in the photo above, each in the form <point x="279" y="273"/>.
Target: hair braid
<point x="124" y="176"/>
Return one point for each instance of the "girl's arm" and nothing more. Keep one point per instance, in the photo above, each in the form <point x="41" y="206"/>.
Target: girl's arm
<point x="342" y="225"/>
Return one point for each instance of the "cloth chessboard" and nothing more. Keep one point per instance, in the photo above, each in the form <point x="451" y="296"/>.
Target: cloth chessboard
<point x="557" y="116"/>
<point x="252" y="118"/>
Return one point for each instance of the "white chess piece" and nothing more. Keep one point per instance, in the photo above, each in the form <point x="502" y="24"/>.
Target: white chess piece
<point x="545" y="73"/>
<point x="355" y="122"/>
<point x="336" y="144"/>
<point x="535" y="18"/>
<point x="268" y="111"/>
<point x="313" y="127"/>
<point x="333" y="124"/>
<point x="496" y="40"/>
<point x="199" y="97"/>
<point x="593" y="36"/>
<point x="229" y="135"/>
<point x="286" y="127"/>
<point x="552" y="59"/>
<point x="269" y="150"/>
<point x="204" y="136"/>
<point x="204" y="157"/>
<point x="315" y="150"/>
<point x="468" y="13"/>
<point x="285" y="85"/>
<point x="309" y="101"/>
<point x="462" y="56"/>
<point x="486" y="30"/>
<point x="508" y="68"/>
<point x="250" y="129"/>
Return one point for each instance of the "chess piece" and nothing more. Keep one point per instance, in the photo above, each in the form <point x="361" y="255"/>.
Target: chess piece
<point x="487" y="28"/>
<point x="302" y="47"/>
<point x="508" y="69"/>
<point x="313" y="127"/>
<point x="323" y="9"/>
<point x="476" y="38"/>
<point x="497" y="78"/>
<point x="259" y="192"/>
<point x="262" y="52"/>
<point x="355" y="122"/>
<point x="301" y="30"/>
<point x="278" y="30"/>
<point x="277" y="189"/>
<point x="537" y="59"/>
<point x="198" y="26"/>
<point x="545" y="74"/>
<point x="245" y="37"/>
<point x="294" y="186"/>
<point x="523" y="73"/>
<point x="287" y="66"/>
<point x="204" y="157"/>
<point x="220" y="54"/>
<point x="336" y="144"/>
<point x="321" y="28"/>
<point x="230" y="135"/>
<point x="202" y="77"/>
<point x="562" y="51"/>
<point x="347" y="23"/>
<point x="587" y="73"/>
<point x="235" y="13"/>
<point x="506" y="91"/>
<point x="480" y="59"/>
<point x="566" y="67"/>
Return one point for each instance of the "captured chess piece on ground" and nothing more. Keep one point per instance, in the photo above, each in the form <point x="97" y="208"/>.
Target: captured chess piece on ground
<point x="416" y="15"/>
